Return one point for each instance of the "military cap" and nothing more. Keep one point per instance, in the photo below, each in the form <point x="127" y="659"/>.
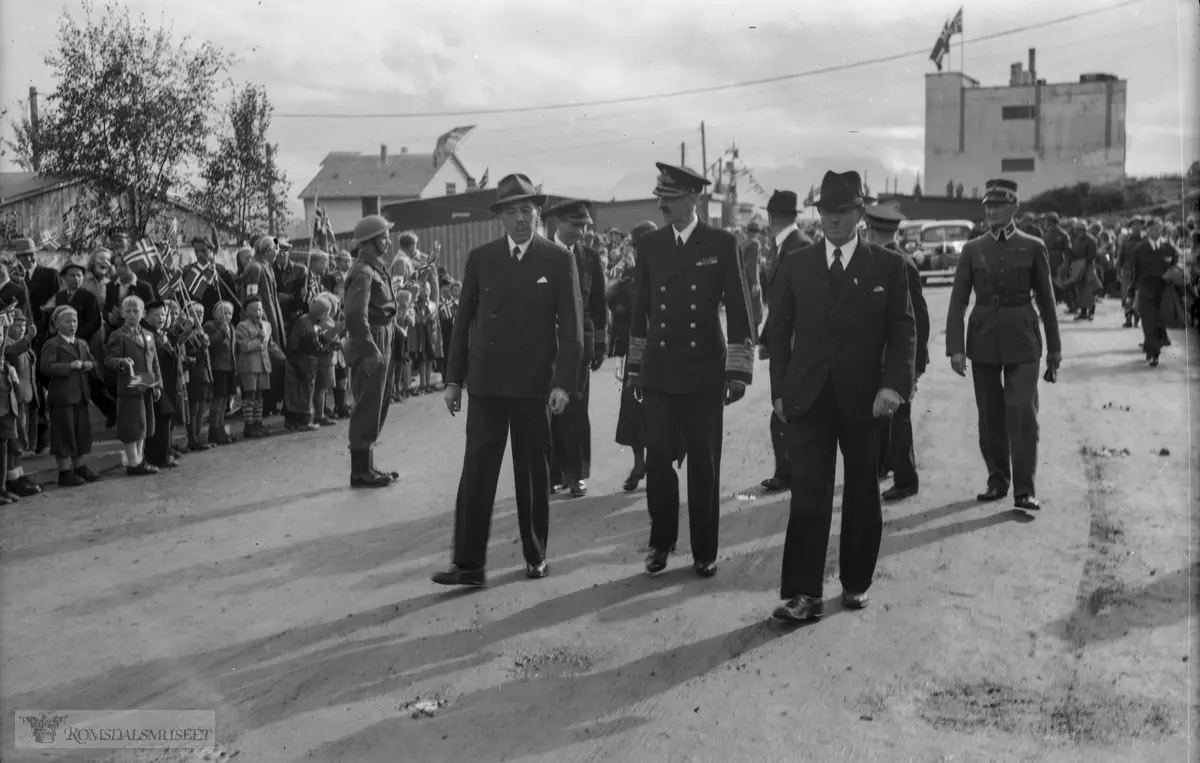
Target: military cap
<point x="884" y="219"/>
<point x="783" y="203"/>
<point x="1000" y="191"/>
<point x="677" y="182"/>
<point x="1052" y="217"/>
<point x="576" y="212"/>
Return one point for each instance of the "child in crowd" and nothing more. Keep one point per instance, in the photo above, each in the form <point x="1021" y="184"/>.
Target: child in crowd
<point x="331" y="331"/>
<point x="446" y="312"/>
<point x="303" y="361"/>
<point x="132" y="353"/>
<point x="253" y="341"/>
<point x="19" y="358"/>
<point x="405" y="320"/>
<point x="167" y="404"/>
<point x="426" y="314"/>
<point x="223" y="364"/>
<point x="67" y="362"/>
<point x="9" y="405"/>
<point x="199" y="378"/>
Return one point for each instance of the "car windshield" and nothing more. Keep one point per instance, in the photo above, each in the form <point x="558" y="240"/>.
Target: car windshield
<point x="940" y="233"/>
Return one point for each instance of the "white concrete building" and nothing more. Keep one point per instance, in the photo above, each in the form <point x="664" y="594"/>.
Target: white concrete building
<point x="1041" y="135"/>
<point x="352" y="185"/>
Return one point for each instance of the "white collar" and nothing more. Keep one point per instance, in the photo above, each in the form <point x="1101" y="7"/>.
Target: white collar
<point x="1158" y="242"/>
<point x="686" y="233"/>
<point x="523" y="247"/>
<point x="781" y="235"/>
<point x="847" y="248"/>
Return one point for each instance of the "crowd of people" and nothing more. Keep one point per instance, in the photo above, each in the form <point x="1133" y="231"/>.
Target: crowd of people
<point x="157" y="346"/>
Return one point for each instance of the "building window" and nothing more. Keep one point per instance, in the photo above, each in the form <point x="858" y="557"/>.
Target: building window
<point x="1016" y="112"/>
<point x="451" y="189"/>
<point x="1016" y="165"/>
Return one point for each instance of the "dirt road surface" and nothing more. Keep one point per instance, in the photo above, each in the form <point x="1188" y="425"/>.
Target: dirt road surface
<point x="253" y="582"/>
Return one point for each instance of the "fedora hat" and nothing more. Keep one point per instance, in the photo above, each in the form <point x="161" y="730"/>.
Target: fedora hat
<point x="514" y="188"/>
<point x="783" y="203"/>
<point x="24" y="246"/>
<point x="842" y="191"/>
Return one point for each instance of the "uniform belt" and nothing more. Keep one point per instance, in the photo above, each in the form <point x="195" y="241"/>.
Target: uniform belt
<point x="1005" y="300"/>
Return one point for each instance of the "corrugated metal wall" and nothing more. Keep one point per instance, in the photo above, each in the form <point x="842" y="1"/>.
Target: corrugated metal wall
<point x="457" y="241"/>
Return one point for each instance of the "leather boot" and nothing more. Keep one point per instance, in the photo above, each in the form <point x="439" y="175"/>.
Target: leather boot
<point x="391" y="476"/>
<point x="360" y="471"/>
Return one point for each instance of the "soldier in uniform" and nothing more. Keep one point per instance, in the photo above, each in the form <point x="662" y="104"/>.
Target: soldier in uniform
<point x="1057" y="245"/>
<point x="680" y="364"/>
<point x="369" y="306"/>
<point x="1126" y="247"/>
<point x="571" y="433"/>
<point x="896" y="453"/>
<point x="1002" y="267"/>
<point x="786" y="240"/>
<point x="1152" y="258"/>
<point x="1084" y="252"/>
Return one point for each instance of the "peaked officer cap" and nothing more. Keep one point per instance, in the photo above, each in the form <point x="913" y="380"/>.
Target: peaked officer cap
<point x="1000" y="191"/>
<point x="883" y="218"/>
<point x="677" y="182"/>
<point x="577" y="212"/>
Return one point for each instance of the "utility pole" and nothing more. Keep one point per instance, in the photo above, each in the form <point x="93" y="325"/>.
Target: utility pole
<point x="35" y="142"/>
<point x="682" y="154"/>
<point x="703" y="151"/>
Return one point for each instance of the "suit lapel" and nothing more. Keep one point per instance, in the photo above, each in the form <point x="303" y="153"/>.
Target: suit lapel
<point x="506" y="274"/>
<point x="858" y="270"/>
<point x="813" y="269"/>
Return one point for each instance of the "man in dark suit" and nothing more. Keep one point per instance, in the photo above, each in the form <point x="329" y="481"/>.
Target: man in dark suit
<point x="896" y="454"/>
<point x="1002" y="267"/>
<point x="571" y="464"/>
<point x="126" y="284"/>
<point x="84" y="302"/>
<point x="41" y="284"/>
<point x="518" y="339"/>
<point x="208" y="282"/>
<point x="843" y="342"/>
<point x="786" y="240"/>
<point x="1150" y="260"/>
<point x="680" y="365"/>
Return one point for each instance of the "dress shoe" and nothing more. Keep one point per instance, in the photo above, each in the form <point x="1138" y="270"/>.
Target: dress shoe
<point x="5" y="500"/>
<point x="69" y="478"/>
<point x="1128" y="323"/>
<point x="86" y="474"/>
<point x="536" y="571"/>
<point x="993" y="493"/>
<point x="801" y="609"/>
<point x="853" y="600"/>
<point x="633" y="480"/>
<point x="656" y="562"/>
<point x="706" y="569"/>
<point x="1153" y="360"/>
<point x="556" y="489"/>
<point x="899" y="492"/>
<point x="141" y="470"/>
<point x="458" y="576"/>
<point x="326" y="421"/>
<point x="772" y="484"/>
<point x="578" y="489"/>
<point x="24" y="487"/>
<point x="199" y="446"/>
<point x="1027" y="503"/>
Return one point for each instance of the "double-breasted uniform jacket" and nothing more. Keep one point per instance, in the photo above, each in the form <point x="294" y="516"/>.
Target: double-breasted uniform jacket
<point x="519" y="327"/>
<point x="68" y="386"/>
<point x="87" y="308"/>
<point x="792" y="243"/>
<point x="861" y="339"/>
<point x="916" y="295"/>
<point x="675" y="342"/>
<point x="369" y="305"/>
<point x="1002" y="329"/>
<point x="590" y="269"/>
<point x="139" y="345"/>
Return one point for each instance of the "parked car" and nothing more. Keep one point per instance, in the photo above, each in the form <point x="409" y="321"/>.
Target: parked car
<point x="941" y="243"/>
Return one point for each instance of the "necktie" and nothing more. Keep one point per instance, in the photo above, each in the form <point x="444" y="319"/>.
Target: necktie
<point x="516" y="256"/>
<point x="679" y="243"/>
<point x="836" y="271"/>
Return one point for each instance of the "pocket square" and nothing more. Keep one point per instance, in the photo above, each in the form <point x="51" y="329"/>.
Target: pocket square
<point x="709" y="261"/>
<point x="878" y="288"/>
<point x="542" y="280"/>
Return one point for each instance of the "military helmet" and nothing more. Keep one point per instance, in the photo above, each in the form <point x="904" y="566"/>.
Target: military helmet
<point x="369" y="228"/>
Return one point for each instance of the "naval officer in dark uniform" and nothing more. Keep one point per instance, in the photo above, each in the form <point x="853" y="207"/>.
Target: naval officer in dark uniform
<point x="571" y="462"/>
<point x="681" y="365"/>
<point x="1002" y="267"/>
<point x="516" y="346"/>
<point x="896" y="452"/>
<point x="786" y="240"/>
<point x="369" y="306"/>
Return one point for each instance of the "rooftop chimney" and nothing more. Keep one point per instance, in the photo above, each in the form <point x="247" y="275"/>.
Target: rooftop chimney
<point x="1015" y="75"/>
<point x="1033" y="64"/>
<point x="404" y="149"/>
<point x="383" y="153"/>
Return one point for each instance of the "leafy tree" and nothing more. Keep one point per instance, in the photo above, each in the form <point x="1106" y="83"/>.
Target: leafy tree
<point x="1193" y="174"/>
<point x="130" y="111"/>
<point x="244" y="188"/>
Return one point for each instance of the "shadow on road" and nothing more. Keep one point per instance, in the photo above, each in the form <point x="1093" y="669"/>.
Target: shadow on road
<point x="1111" y="614"/>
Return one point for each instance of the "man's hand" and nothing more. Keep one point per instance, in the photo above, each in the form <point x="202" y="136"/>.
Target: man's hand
<point x="156" y="393"/>
<point x="558" y="400"/>
<point x="453" y="398"/>
<point x="371" y="364"/>
<point x="958" y="362"/>
<point x="886" y="403"/>
<point x="779" y="414"/>
<point x="763" y="354"/>
<point x="76" y="365"/>
<point x="88" y="365"/>
<point x="1053" y="362"/>
<point x="734" y="391"/>
<point x="597" y="361"/>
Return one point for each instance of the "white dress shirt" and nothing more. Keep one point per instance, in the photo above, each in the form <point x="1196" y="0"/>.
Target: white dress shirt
<point x="523" y="247"/>
<point x="686" y="233"/>
<point x="779" y="237"/>
<point x="847" y="251"/>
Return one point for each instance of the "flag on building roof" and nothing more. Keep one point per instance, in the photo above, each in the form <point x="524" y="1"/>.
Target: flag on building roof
<point x="942" y="47"/>
<point x="448" y="142"/>
<point x="956" y="24"/>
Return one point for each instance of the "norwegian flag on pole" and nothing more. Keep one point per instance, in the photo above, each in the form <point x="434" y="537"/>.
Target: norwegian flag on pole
<point x="143" y="254"/>
<point x="197" y="281"/>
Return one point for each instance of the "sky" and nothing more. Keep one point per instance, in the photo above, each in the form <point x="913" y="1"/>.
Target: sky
<point x="413" y="57"/>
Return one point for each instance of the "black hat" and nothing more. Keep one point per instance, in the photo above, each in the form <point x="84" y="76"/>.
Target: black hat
<point x="884" y="219"/>
<point x="514" y="188"/>
<point x="676" y="182"/>
<point x="577" y="212"/>
<point x="155" y="303"/>
<point x="783" y="203"/>
<point x="842" y="191"/>
<point x="69" y="265"/>
<point x="251" y="300"/>
<point x="1000" y="191"/>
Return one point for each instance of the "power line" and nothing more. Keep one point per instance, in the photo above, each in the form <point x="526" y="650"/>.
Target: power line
<point x="711" y="88"/>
